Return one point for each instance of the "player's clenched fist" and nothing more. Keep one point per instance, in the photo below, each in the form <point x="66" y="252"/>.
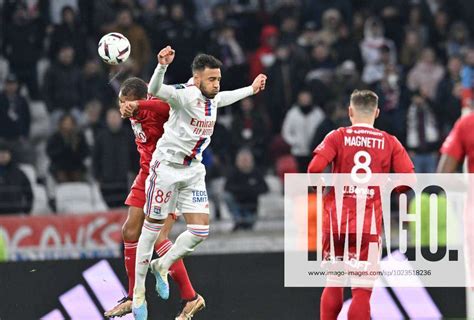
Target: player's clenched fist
<point x="259" y="83"/>
<point x="166" y="56"/>
<point x="129" y="109"/>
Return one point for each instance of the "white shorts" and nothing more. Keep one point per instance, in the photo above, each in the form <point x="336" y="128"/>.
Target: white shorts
<point x="172" y="188"/>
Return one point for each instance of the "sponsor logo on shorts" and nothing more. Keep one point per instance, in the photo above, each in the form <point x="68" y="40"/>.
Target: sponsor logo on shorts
<point x="199" y="196"/>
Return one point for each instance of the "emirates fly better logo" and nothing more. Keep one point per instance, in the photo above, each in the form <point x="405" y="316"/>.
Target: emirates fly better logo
<point x="398" y="230"/>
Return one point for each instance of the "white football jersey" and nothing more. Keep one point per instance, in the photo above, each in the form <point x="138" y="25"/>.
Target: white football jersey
<point x="191" y="122"/>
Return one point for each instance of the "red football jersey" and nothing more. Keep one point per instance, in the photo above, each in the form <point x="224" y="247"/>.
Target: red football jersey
<point x="147" y="126"/>
<point x="345" y="147"/>
<point x="460" y="141"/>
<point x="361" y="148"/>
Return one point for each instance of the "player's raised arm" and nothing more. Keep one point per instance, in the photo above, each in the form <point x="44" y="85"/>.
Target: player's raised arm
<point x="154" y="105"/>
<point x="229" y="97"/>
<point x="130" y="108"/>
<point x="156" y="87"/>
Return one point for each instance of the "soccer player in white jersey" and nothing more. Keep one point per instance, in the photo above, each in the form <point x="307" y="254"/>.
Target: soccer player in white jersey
<point x="176" y="178"/>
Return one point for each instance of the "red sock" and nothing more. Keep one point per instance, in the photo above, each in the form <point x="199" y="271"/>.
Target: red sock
<point x="130" y="254"/>
<point x="177" y="272"/>
<point x="331" y="302"/>
<point x="360" y="305"/>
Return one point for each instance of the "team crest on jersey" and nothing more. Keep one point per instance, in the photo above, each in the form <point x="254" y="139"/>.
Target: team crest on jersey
<point x="157" y="210"/>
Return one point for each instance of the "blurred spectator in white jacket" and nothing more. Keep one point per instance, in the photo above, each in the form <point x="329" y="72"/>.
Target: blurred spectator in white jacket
<point x="377" y="51"/>
<point x="299" y="126"/>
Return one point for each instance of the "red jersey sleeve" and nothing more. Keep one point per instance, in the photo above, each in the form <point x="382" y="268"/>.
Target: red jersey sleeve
<point x="154" y="105"/>
<point x="318" y="164"/>
<point x="453" y="145"/>
<point x="401" y="162"/>
<point x="328" y="148"/>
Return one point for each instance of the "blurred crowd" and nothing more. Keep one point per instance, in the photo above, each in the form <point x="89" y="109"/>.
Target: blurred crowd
<point x="58" y="100"/>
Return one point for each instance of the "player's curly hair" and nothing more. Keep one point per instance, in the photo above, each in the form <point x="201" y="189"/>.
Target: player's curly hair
<point x="134" y="87"/>
<point x="203" y="61"/>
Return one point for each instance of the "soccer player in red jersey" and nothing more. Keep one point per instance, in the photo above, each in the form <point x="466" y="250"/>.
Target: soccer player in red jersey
<point x="147" y="125"/>
<point x="458" y="144"/>
<point x="350" y="149"/>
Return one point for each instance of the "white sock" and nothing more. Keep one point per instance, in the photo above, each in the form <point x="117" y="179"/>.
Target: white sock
<point x="146" y="244"/>
<point x="185" y="244"/>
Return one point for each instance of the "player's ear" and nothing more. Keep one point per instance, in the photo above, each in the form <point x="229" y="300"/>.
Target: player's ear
<point x="377" y="113"/>
<point x="196" y="79"/>
<point x="350" y="111"/>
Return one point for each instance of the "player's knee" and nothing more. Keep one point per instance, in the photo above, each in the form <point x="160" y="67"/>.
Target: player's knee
<point x="130" y="232"/>
<point x="201" y="232"/>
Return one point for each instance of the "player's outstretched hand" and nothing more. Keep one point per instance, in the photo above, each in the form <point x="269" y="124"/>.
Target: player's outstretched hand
<point x="166" y="56"/>
<point x="259" y="83"/>
<point x="129" y="109"/>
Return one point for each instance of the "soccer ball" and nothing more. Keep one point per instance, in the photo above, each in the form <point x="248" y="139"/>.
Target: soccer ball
<point x="114" y="48"/>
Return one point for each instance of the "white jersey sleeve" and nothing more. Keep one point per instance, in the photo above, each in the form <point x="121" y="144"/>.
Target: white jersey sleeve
<point x="176" y="98"/>
<point x="192" y="118"/>
<point x="226" y="98"/>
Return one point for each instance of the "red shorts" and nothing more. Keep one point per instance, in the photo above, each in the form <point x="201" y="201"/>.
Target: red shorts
<point x="352" y="246"/>
<point x="136" y="197"/>
<point x="361" y="269"/>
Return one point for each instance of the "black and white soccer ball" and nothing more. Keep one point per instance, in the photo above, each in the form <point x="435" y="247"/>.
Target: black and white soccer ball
<point x="114" y="48"/>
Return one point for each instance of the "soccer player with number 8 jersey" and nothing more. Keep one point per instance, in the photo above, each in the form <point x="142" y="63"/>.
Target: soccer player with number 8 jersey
<point x="359" y="150"/>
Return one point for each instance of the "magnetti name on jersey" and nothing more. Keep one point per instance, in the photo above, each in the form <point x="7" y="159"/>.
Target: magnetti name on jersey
<point x="368" y="142"/>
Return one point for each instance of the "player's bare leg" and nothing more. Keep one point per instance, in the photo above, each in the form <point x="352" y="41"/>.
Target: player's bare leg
<point x="130" y="233"/>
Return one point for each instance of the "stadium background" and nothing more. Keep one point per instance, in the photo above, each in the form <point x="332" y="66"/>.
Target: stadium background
<point x="61" y="194"/>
